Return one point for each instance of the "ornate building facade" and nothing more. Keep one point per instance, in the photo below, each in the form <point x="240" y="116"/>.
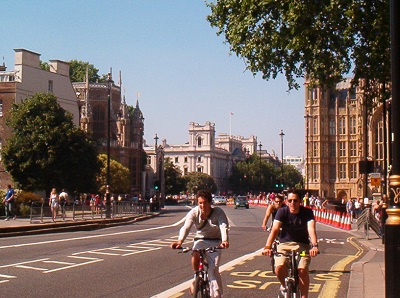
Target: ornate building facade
<point x="126" y="126"/>
<point x="342" y="138"/>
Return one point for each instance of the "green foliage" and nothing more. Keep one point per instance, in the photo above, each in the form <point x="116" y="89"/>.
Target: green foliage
<point x="322" y="40"/>
<point x="119" y="176"/>
<point x="77" y="71"/>
<point x="196" y="181"/>
<point x="44" y="66"/>
<point x="24" y="210"/>
<point x="26" y="197"/>
<point x="46" y="150"/>
<point x="174" y="182"/>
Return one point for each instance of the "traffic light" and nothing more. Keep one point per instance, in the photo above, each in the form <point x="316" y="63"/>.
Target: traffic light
<point x="156" y="184"/>
<point x="282" y="183"/>
<point x="277" y="183"/>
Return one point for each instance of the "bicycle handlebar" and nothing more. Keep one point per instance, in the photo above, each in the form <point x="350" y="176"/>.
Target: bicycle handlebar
<point x="208" y="249"/>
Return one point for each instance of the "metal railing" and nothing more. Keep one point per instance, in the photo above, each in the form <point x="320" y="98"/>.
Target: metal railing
<point x="77" y="211"/>
<point x="368" y="220"/>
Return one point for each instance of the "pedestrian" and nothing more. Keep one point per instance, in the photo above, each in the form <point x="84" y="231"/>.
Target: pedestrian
<point x="54" y="204"/>
<point x="9" y="202"/>
<point x="212" y="230"/>
<point x="350" y="208"/>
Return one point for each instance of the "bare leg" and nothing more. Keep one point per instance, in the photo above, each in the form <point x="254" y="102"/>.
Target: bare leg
<point x="304" y="282"/>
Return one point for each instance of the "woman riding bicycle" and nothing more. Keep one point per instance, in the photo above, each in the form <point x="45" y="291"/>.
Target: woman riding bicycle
<point x="212" y="230"/>
<point x="298" y="228"/>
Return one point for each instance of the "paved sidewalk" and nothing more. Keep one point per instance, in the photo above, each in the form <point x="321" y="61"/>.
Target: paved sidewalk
<point x="367" y="277"/>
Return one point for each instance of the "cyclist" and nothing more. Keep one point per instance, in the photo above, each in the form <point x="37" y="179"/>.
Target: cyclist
<point x="276" y="203"/>
<point x="212" y="230"/>
<point x="297" y="226"/>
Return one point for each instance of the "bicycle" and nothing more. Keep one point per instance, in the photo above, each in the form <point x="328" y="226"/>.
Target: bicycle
<point x="201" y="283"/>
<point x="292" y="280"/>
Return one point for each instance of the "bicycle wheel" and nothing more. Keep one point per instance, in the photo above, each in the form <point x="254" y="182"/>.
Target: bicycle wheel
<point x="199" y="288"/>
<point x="290" y="290"/>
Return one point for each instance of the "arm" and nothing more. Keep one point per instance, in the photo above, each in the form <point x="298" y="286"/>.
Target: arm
<point x="274" y="233"/>
<point x="224" y="228"/>
<point x="312" y="233"/>
<point x="268" y="213"/>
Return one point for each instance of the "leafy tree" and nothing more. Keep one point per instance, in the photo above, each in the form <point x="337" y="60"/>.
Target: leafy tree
<point x="119" y="176"/>
<point x="320" y="40"/>
<point x="292" y="176"/>
<point x="199" y="181"/>
<point x="174" y="182"/>
<point x="46" y="150"/>
<point x="77" y="71"/>
<point x="44" y="66"/>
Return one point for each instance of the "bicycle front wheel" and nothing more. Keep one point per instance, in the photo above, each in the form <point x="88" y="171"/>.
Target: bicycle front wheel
<point x="290" y="290"/>
<point x="200" y="288"/>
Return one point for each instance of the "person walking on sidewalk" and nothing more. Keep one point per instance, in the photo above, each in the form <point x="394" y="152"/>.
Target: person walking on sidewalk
<point x="9" y="202"/>
<point x="54" y="203"/>
<point x="298" y="229"/>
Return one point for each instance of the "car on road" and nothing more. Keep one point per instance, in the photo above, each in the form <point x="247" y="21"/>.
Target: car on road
<point x="241" y="201"/>
<point x="219" y="200"/>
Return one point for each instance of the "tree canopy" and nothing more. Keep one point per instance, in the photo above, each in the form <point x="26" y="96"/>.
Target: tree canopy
<point x="46" y="150"/>
<point x="319" y="40"/>
<point x="174" y="182"/>
<point x="77" y="71"/>
<point x="196" y="181"/>
<point x="119" y="176"/>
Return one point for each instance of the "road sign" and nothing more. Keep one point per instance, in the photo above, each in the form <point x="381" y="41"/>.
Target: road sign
<point x="375" y="179"/>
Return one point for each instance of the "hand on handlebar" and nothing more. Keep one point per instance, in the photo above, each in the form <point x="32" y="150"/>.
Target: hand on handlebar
<point x="314" y="251"/>
<point x="176" y="245"/>
<point x="267" y="252"/>
<point x="224" y="244"/>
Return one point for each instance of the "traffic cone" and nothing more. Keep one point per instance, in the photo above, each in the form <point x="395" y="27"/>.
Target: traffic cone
<point x="348" y="222"/>
<point x="341" y="221"/>
<point x="337" y="220"/>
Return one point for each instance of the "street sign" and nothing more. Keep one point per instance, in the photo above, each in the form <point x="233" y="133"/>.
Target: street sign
<point x="375" y="179"/>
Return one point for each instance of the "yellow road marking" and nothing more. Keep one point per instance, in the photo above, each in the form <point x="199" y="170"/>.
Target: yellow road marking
<point x="331" y="286"/>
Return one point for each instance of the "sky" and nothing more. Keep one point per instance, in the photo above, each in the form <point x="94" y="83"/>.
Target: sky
<point x="167" y="53"/>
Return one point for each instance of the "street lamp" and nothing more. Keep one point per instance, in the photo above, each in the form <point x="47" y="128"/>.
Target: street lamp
<point x="108" y="190"/>
<point x="259" y="146"/>
<point x="282" y="134"/>
<point x="392" y="226"/>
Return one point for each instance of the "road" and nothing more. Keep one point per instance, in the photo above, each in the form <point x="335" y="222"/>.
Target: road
<point x="135" y="261"/>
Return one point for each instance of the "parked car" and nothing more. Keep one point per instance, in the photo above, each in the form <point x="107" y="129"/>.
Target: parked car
<point x="219" y="200"/>
<point x="241" y="201"/>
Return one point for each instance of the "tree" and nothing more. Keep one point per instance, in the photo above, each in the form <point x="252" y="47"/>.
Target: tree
<point x="291" y="176"/>
<point x="119" y="176"/>
<point x="174" y="182"/>
<point x="196" y="181"/>
<point x="46" y="150"/>
<point x="319" y="40"/>
<point x="77" y="71"/>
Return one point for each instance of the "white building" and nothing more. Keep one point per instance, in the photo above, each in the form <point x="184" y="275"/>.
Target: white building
<point x="207" y="153"/>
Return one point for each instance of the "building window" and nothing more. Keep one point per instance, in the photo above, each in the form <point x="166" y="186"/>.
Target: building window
<point x="332" y="172"/>
<point x="185" y="171"/>
<point x="353" y="125"/>
<point x="342" y="149"/>
<point x="332" y="127"/>
<point x="199" y="170"/>
<point x="353" y="170"/>
<point x="315" y="126"/>
<point x="314" y="95"/>
<point x="315" y="149"/>
<point x="50" y="87"/>
<point x="199" y="159"/>
<point x="176" y="159"/>
<point x="353" y="149"/>
<point x="315" y="173"/>
<point x="199" y="142"/>
<point x="1" y="108"/>
<point x="332" y="150"/>
<point x="342" y="126"/>
<point x="342" y="171"/>
<point x="186" y="159"/>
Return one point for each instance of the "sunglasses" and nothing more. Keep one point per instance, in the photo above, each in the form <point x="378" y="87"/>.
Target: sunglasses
<point x="278" y="202"/>
<point x="293" y="201"/>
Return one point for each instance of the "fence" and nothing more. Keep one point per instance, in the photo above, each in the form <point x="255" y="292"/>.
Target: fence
<point x="368" y="220"/>
<point x="76" y="211"/>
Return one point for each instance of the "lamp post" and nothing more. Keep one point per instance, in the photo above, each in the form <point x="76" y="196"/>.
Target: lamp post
<point x="392" y="226"/>
<point x="282" y="134"/>
<point x="156" y="166"/>
<point x="108" y="190"/>
<point x="259" y="146"/>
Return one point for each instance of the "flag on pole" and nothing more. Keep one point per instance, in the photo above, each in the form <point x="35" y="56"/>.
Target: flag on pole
<point x="232" y="114"/>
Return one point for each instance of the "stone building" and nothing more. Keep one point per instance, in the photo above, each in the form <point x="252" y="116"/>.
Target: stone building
<point x="206" y="153"/>
<point x="127" y="126"/>
<point x="26" y="79"/>
<point x="341" y="136"/>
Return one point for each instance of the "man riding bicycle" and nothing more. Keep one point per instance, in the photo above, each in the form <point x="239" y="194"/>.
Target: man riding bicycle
<point x="297" y="225"/>
<point x="212" y="230"/>
<point x="272" y="209"/>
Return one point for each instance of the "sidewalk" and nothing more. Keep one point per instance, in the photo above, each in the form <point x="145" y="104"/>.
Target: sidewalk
<point x="367" y="276"/>
<point x="22" y="226"/>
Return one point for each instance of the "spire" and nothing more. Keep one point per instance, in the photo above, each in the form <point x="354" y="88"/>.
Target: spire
<point x="137" y="100"/>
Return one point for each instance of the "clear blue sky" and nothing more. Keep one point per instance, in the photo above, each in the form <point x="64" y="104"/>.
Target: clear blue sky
<point x="167" y="52"/>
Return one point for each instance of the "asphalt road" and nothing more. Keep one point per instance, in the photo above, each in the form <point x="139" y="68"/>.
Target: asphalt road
<point x="136" y="261"/>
